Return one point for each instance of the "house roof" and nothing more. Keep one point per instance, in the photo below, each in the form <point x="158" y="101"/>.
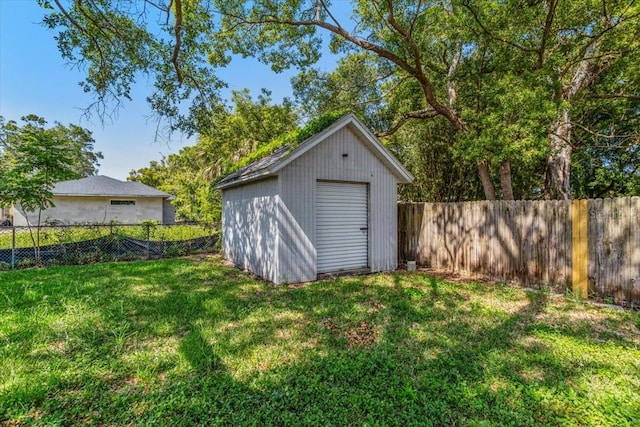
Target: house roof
<point x="101" y="185"/>
<point x="271" y="164"/>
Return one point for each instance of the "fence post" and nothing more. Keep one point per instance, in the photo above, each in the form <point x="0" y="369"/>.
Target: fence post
<point x="13" y="247"/>
<point x="579" y="248"/>
<point x="148" y="227"/>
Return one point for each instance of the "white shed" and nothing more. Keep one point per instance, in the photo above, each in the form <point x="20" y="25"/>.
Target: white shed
<point x="327" y="206"/>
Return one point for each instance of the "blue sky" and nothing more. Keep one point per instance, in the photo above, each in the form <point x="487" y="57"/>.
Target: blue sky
<point x="35" y="79"/>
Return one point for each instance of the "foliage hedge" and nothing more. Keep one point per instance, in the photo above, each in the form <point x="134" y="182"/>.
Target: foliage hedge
<point x="74" y="234"/>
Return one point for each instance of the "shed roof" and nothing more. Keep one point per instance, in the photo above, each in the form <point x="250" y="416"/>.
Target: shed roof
<point x="271" y="164"/>
<point x="101" y="185"/>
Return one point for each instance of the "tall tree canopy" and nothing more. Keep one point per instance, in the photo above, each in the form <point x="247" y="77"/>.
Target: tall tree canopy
<point x="33" y="158"/>
<point x="508" y="77"/>
<point x="234" y="132"/>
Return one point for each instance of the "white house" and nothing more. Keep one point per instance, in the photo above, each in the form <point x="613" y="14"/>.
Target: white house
<point x="101" y="199"/>
<point x="327" y="206"/>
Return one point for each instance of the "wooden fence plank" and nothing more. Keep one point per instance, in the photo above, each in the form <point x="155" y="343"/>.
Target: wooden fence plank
<point x="579" y="255"/>
<point x="530" y="242"/>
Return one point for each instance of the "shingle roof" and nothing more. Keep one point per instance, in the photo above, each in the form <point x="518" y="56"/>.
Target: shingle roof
<point x="101" y="185"/>
<point x="257" y="166"/>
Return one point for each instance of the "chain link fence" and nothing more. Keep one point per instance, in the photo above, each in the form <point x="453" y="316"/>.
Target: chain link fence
<point x="22" y="247"/>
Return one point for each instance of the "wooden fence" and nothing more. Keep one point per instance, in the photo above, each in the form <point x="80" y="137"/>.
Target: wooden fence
<point x="590" y="246"/>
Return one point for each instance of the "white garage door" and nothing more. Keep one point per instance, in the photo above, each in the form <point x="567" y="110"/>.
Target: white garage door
<point x="342" y="226"/>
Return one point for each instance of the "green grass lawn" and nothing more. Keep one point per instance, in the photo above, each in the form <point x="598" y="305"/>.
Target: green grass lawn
<point x="187" y="341"/>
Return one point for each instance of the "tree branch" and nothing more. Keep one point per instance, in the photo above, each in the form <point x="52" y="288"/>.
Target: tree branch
<point x="485" y="30"/>
<point x="420" y="76"/>
<point x="362" y="43"/>
<point x="415" y="17"/>
<point x="451" y="85"/>
<point x="335" y="21"/>
<point x="105" y="20"/>
<point x="405" y="35"/>
<point x="80" y="28"/>
<point x="413" y="70"/>
<point x="545" y="32"/>
<point x="614" y="96"/>
<point x="178" y="34"/>
<point x="594" y="39"/>
<point x="427" y="113"/>
<point x="76" y="24"/>
<point x="605" y="136"/>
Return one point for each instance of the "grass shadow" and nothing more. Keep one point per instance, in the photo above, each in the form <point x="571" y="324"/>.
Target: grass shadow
<point x="193" y="342"/>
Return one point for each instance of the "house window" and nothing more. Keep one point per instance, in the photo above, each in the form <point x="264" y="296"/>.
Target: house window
<point x="123" y="202"/>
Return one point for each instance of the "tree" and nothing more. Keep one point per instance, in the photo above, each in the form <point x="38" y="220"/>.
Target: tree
<point x="458" y="59"/>
<point x="79" y="144"/>
<point x="33" y="159"/>
<point x="76" y="142"/>
<point x="182" y="175"/>
<point x="607" y="154"/>
<point x="441" y="172"/>
<point x="565" y="49"/>
<point x="233" y="132"/>
<point x="508" y="84"/>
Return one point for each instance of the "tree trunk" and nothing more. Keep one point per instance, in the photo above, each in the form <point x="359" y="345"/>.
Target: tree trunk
<point x="505" y="180"/>
<point x="557" y="176"/>
<point x="487" y="185"/>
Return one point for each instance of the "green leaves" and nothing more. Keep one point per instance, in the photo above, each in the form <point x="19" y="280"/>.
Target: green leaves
<point x="505" y="75"/>
<point x="33" y="159"/>
<point x="513" y="123"/>
<point x="290" y="139"/>
<point x="232" y="133"/>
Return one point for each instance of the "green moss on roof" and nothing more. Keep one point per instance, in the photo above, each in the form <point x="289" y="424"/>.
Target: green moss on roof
<point x="290" y="139"/>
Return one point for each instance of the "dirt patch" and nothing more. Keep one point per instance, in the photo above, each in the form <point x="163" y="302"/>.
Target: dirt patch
<point x="452" y="277"/>
<point x="330" y="324"/>
<point x="553" y="291"/>
<point x="359" y="335"/>
<point x="363" y="334"/>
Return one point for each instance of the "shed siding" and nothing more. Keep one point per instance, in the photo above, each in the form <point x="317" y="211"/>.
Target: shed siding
<point x="384" y="221"/>
<point x="250" y="227"/>
<point x="91" y="209"/>
<point x="298" y="193"/>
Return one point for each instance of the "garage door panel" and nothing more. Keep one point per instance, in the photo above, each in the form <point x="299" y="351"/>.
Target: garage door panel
<point x="353" y="231"/>
<point x="341" y="226"/>
<point x="354" y="247"/>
